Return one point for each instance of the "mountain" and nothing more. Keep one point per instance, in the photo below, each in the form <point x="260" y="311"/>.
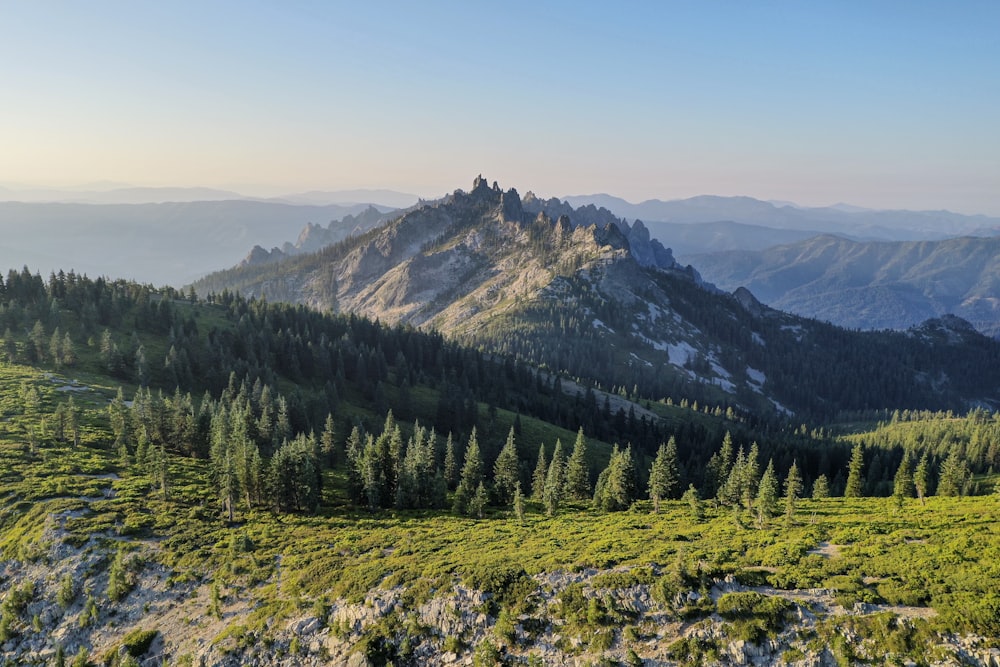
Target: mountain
<point x="840" y="219"/>
<point x="116" y="195"/>
<point x="608" y="304"/>
<point x="166" y="243"/>
<point x="870" y="285"/>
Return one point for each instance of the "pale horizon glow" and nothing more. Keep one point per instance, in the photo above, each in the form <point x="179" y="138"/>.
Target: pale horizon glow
<point x="887" y="105"/>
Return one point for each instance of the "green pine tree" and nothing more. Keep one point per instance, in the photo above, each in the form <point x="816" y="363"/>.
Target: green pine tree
<point x="663" y="475"/>
<point x="922" y="477"/>
<point x="577" y="471"/>
<point x="506" y="471"/>
<point x="538" y="477"/>
<point x="554" y="481"/>
<point x="793" y="488"/>
<point x="472" y="475"/>
<point x="821" y="488"/>
<point x="767" y="495"/>
<point x="855" y="474"/>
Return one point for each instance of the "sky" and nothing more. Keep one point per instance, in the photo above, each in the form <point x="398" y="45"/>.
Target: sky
<point x="874" y="103"/>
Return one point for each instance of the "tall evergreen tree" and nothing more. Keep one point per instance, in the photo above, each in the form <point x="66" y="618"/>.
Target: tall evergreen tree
<point x="855" y="474"/>
<point x="554" y="480"/>
<point x="902" y="484"/>
<point x="327" y="443"/>
<point x="472" y="475"/>
<point x="793" y="489"/>
<point x="954" y="476"/>
<point x="663" y="476"/>
<point x="821" y="488"/>
<point x="506" y="472"/>
<point x="615" y="488"/>
<point x="450" y="463"/>
<point x="577" y="470"/>
<point x="538" y="477"/>
<point x="922" y="477"/>
<point x="767" y="495"/>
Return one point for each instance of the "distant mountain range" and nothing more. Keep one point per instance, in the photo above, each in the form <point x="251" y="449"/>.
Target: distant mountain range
<point x="861" y="224"/>
<point x="167" y="243"/>
<point x="869" y="285"/>
<point x="122" y="194"/>
<point x="579" y="291"/>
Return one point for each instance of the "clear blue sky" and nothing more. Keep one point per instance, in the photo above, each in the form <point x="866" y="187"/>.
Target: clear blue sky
<point x="885" y="104"/>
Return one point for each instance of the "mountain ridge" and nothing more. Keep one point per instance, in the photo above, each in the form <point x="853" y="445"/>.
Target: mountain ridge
<point x="608" y="303"/>
<point x="870" y="285"/>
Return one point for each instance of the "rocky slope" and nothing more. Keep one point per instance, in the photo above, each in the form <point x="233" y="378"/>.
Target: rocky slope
<point x="620" y="615"/>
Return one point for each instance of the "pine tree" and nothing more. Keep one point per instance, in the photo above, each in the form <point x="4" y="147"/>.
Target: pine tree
<point x="506" y="472"/>
<point x="538" y="477"/>
<point x="577" y="470"/>
<point x="922" y="477"/>
<point x="478" y="501"/>
<point x="821" y="488"/>
<point x="68" y="351"/>
<point x="327" y="443"/>
<point x="719" y="467"/>
<point x="793" y="488"/>
<point x="663" y="476"/>
<point x="855" y="474"/>
<point x="354" y="452"/>
<point x="954" y="476"/>
<point x="767" y="494"/>
<point x="695" y="510"/>
<point x="472" y="475"/>
<point x="615" y="488"/>
<point x="902" y="484"/>
<point x="519" y="504"/>
<point x="450" y="463"/>
<point x="554" y="484"/>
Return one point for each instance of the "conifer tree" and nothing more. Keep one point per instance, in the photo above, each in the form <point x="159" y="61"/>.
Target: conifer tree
<point x="922" y="477"/>
<point x="354" y="451"/>
<point x="519" y="503"/>
<point x="902" y="484"/>
<point x="450" y="463"/>
<point x="615" y="488"/>
<point x="821" y="488"/>
<point x="855" y="474"/>
<point x="663" y="475"/>
<point x="553" y="490"/>
<point x="472" y="475"/>
<point x="478" y="501"/>
<point x="695" y="509"/>
<point x="577" y="470"/>
<point x="538" y="477"/>
<point x="719" y="467"/>
<point x="793" y="488"/>
<point x="327" y="443"/>
<point x="767" y="494"/>
<point x="506" y="472"/>
<point x="954" y="476"/>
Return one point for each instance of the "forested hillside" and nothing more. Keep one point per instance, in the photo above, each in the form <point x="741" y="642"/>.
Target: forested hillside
<point x="237" y="480"/>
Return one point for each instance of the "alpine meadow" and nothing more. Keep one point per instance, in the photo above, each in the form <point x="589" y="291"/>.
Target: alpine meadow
<point x="286" y="379"/>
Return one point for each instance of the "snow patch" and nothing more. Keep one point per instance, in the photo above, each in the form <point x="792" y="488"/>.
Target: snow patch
<point x="680" y="353"/>
<point x="756" y="376"/>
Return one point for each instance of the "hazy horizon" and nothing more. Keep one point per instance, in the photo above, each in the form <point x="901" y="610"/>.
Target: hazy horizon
<point x="884" y="106"/>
